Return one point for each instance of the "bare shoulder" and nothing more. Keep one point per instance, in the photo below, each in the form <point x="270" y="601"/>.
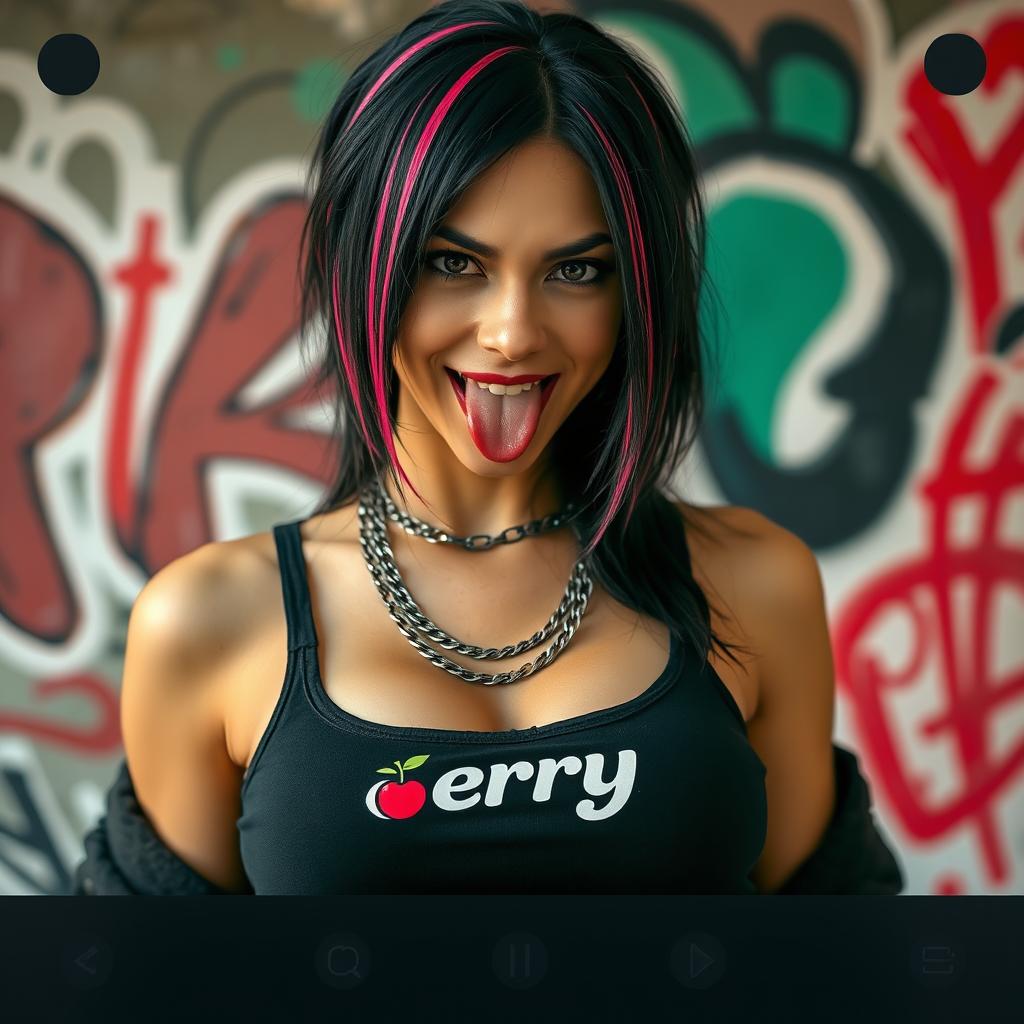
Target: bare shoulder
<point x="765" y="562"/>
<point x="764" y="576"/>
<point x="188" y="626"/>
<point x="198" y="603"/>
<point x="777" y="581"/>
<point x="185" y="626"/>
<point x="783" y="577"/>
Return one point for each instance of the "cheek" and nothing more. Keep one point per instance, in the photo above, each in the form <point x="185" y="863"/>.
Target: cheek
<point x="408" y="355"/>
<point x="598" y="313"/>
<point x="591" y="334"/>
<point x="428" y="324"/>
<point x="434" y="305"/>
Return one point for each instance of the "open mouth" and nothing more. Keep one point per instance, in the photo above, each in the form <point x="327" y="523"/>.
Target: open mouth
<point x="501" y="427"/>
<point x="460" y="382"/>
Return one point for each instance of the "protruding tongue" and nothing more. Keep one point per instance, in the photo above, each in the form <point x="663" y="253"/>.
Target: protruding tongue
<point x="502" y="425"/>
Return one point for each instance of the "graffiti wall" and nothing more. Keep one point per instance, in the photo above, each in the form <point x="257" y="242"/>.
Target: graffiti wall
<point x="867" y="241"/>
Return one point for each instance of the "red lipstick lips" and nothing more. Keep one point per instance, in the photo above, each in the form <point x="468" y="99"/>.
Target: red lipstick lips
<point x="498" y="378"/>
<point x="459" y="388"/>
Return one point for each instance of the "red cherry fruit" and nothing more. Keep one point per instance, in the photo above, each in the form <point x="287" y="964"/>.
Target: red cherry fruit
<point x="401" y="799"/>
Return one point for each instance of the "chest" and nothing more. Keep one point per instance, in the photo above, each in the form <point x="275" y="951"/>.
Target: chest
<point x="368" y="668"/>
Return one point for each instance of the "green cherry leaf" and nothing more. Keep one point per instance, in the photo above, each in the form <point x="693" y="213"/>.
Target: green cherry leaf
<point x="414" y="762"/>
<point x="386" y="771"/>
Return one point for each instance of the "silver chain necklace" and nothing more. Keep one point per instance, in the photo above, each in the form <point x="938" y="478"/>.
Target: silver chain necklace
<point x="376" y="509"/>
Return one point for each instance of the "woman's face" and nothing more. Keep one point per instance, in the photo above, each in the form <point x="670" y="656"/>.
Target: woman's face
<point x="514" y="305"/>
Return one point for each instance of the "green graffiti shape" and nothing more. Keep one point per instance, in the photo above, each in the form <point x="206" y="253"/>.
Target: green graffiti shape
<point x="317" y="84"/>
<point x="714" y="98"/>
<point x="808" y="100"/>
<point x="779" y="270"/>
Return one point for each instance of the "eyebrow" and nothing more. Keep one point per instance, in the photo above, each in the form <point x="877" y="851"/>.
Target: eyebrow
<point x="562" y="252"/>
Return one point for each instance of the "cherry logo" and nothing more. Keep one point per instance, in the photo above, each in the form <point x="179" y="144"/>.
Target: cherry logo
<point x="398" y="799"/>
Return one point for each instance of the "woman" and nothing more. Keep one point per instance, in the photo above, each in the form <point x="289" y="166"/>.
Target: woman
<point x="499" y="195"/>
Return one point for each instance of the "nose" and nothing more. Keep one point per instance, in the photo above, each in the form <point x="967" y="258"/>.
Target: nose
<point x="511" y="345"/>
<point x="511" y="332"/>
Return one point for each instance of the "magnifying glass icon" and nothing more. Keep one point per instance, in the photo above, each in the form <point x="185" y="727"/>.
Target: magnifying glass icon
<point x="343" y="961"/>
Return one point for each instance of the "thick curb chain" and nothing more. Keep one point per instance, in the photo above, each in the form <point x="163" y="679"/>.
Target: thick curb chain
<point x="476" y="541"/>
<point x="405" y="613"/>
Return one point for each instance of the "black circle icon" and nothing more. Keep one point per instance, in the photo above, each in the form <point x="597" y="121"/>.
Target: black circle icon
<point x="955" y="64"/>
<point x="68" y="64"/>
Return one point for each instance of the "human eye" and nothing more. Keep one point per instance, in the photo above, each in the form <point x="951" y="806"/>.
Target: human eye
<point x="600" y="267"/>
<point x="447" y="254"/>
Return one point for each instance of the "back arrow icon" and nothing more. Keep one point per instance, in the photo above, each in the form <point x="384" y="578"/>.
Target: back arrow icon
<point x="81" y="961"/>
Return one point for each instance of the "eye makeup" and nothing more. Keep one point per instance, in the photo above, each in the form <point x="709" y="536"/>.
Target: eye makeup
<point x="602" y="267"/>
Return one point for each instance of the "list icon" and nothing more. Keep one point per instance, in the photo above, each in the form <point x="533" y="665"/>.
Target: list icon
<point x="937" y="962"/>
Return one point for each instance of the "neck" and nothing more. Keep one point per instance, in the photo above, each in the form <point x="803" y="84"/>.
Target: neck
<point x="459" y="499"/>
<point x="467" y="505"/>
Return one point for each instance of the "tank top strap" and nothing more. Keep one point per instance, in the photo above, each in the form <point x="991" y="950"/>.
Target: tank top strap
<point x="294" y="585"/>
<point x="685" y="550"/>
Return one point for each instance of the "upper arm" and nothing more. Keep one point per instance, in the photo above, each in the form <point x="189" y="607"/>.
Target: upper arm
<point x="792" y="729"/>
<point x="171" y="715"/>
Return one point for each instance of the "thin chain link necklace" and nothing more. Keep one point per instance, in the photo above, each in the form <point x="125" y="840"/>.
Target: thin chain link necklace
<point x="375" y="510"/>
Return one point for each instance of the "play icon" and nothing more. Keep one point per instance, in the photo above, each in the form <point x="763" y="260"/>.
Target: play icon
<point x="697" y="960"/>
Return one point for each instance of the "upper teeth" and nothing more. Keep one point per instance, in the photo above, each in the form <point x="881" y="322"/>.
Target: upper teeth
<point x="505" y="389"/>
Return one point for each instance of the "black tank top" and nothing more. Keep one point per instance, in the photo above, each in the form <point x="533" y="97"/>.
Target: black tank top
<point x="660" y="794"/>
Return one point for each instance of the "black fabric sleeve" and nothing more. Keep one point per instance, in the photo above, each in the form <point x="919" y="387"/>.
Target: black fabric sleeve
<point x="126" y="857"/>
<point x="852" y="857"/>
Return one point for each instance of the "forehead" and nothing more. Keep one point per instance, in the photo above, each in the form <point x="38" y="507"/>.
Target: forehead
<point x="541" y="192"/>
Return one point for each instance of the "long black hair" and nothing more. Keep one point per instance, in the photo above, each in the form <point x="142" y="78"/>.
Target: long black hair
<point x="418" y="120"/>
